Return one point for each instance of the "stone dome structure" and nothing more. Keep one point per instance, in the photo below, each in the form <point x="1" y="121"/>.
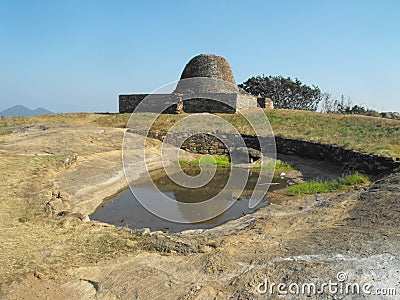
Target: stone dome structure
<point x="206" y="68"/>
<point x="208" y="65"/>
<point x="206" y="85"/>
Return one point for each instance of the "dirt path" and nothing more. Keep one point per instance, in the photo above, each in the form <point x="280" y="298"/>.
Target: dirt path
<point x="298" y="241"/>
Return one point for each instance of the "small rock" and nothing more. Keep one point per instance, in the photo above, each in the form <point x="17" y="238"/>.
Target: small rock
<point x="38" y="275"/>
<point x="43" y="127"/>
<point x="68" y="161"/>
<point x="85" y="219"/>
<point x="56" y="205"/>
<point x="144" y="231"/>
<point x="101" y="224"/>
<point x="157" y="233"/>
<point x="214" y="245"/>
<point x="130" y="244"/>
<point x="205" y="249"/>
<point x="23" y="219"/>
<point x="195" y="289"/>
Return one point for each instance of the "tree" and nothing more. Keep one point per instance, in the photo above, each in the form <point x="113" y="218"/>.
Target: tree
<point x="284" y="92"/>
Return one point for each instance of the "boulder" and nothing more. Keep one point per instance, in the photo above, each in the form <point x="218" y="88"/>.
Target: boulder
<point x="246" y="155"/>
<point x="391" y="115"/>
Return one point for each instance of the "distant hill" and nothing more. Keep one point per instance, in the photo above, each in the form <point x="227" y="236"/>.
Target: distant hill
<point x="20" y="110"/>
<point x="42" y="111"/>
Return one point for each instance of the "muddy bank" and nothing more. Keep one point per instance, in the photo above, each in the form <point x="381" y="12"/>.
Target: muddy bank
<point x="89" y="159"/>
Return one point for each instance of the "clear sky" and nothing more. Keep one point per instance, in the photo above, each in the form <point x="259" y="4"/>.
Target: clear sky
<point x="70" y="56"/>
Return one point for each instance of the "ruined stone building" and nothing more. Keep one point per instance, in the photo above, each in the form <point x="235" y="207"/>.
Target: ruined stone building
<point x="206" y="85"/>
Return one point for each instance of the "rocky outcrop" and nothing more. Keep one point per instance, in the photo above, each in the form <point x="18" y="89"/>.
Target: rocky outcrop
<point x="390" y="115"/>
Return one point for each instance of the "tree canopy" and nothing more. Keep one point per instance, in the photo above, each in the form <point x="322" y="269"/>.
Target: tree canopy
<point x="284" y="92"/>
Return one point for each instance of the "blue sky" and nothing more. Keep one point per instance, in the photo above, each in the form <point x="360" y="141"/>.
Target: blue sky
<point x="79" y="55"/>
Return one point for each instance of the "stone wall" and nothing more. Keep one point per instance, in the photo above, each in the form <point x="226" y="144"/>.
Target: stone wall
<point x="349" y="160"/>
<point x="198" y="143"/>
<point x="205" y="85"/>
<point x="128" y="103"/>
<point x="245" y="101"/>
<point x="202" y="103"/>
<point x="207" y="104"/>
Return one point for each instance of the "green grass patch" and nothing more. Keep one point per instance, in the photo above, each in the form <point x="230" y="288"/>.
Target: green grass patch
<point x="355" y="179"/>
<point x="320" y="187"/>
<point x="280" y="166"/>
<point x="219" y="160"/>
<point x="207" y="160"/>
<point x="4" y="131"/>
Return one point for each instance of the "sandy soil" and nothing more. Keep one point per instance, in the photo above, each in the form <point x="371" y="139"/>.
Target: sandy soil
<point x="298" y="240"/>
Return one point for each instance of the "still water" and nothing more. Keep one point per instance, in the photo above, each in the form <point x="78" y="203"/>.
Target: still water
<point x="125" y="210"/>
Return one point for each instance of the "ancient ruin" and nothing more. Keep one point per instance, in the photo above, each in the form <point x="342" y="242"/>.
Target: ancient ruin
<point x="205" y="78"/>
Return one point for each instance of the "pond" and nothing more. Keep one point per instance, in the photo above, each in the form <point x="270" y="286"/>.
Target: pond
<point x="126" y="211"/>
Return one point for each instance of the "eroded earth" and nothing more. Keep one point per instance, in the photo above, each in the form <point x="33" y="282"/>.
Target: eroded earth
<point x="53" y="176"/>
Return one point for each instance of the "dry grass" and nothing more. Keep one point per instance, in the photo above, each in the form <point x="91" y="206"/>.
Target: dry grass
<point x="32" y="241"/>
<point x="361" y="133"/>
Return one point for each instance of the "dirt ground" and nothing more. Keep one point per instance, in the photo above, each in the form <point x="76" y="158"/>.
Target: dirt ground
<point x="53" y="176"/>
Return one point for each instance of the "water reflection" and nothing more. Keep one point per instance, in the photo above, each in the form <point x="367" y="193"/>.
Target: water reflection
<point x="125" y="210"/>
